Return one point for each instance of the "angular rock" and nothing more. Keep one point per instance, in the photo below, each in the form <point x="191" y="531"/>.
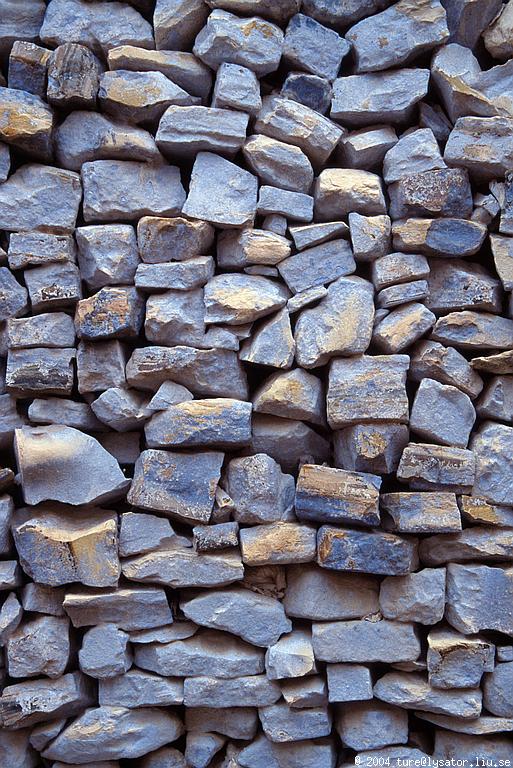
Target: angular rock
<point x="312" y="91"/>
<point x="40" y="197"/>
<point x="104" y="652"/>
<point x="374" y="448"/>
<point x="370" y="236"/>
<point x="348" y="682"/>
<point x="241" y="248"/>
<point x="129" y="608"/>
<point x="272" y="344"/>
<point x="305" y="692"/>
<point x="329" y="495"/>
<point x="283" y="202"/>
<point x="342" y="549"/>
<point x="497" y="36"/>
<point x="140" y="97"/>
<point x="56" y="549"/>
<point x="141" y="532"/>
<point x="162" y="482"/>
<point x="446" y="365"/>
<point x="491" y="446"/>
<point x="210" y="538"/>
<point x="340" y="191"/>
<point x="20" y="23"/>
<point x="53" y="329"/>
<point x="27" y="123"/>
<point x="438" y="237"/>
<point x="121" y="409"/>
<point x="444" y="192"/>
<point x="139" y="689"/>
<point x="476" y="543"/>
<point x="236" y="299"/>
<point x="412" y="691"/>
<point x="10" y="617"/>
<point x="39" y="646"/>
<point x="220" y="192"/>
<point x="281" y="723"/>
<point x="107" y="254"/>
<point x="258" y="619"/>
<point x="40" y="598"/>
<point x="46" y="454"/>
<point x="367" y="389"/>
<point x="467" y="745"/>
<point x="53" y="286"/>
<point x="261" y="493"/>
<point x="365" y="641"/>
<point x="313" y="593"/>
<point x="236" y="88"/>
<point x="384" y="97"/>
<point x="117" y="190"/>
<point x="458" y="285"/>
<point x="321" y="264"/>
<point x="287" y="441"/>
<point x="421" y="512"/>
<point x="13" y="296"/>
<point x="497" y="696"/>
<point x="28" y="68"/>
<point x="433" y="467"/>
<point x="118" y="733"/>
<point x="415" y="152"/>
<point x="185" y="130"/>
<point x="442" y="413"/>
<point x="474" y="330"/>
<point x="482" y="145"/>
<point x="476" y="510"/>
<point x="172" y="239"/>
<point x="279" y="164"/>
<point x="295" y="394"/>
<point x="100" y="365"/>
<point x="111" y="313"/>
<point x="397" y="295"/>
<point x="416" y="597"/>
<point x="252" y="691"/>
<point x="234" y="722"/>
<point x="278" y="543"/>
<point x="30" y="249"/>
<point x="340" y="324"/>
<point x="403" y="326"/>
<point x="472" y="592"/>
<point x="496" y="400"/>
<point x="365" y="148"/>
<point x="73" y="77"/>
<point x="181" y="276"/>
<point x="253" y="43"/>
<point x="455" y="661"/>
<point x="95" y="25"/>
<point x="88" y="136"/>
<point x="310" y="46"/>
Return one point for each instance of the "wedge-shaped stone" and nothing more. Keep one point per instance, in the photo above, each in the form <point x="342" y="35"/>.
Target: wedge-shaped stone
<point x="46" y="455"/>
<point x="56" y="548"/>
<point x="87" y="136"/>
<point x="412" y="691"/>
<point x="342" y="549"/>
<point x="402" y="326"/>
<point x="27" y="123"/>
<point x="479" y="726"/>
<point x="282" y="723"/>
<point x="476" y="596"/>
<point x="129" y="608"/>
<point x="182" y="485"/>
<point x="480" y="511"/>
<point x="243" y="248"/>
<point x="319" y="265"/>
<point x="482" y="145"/>
<point x="237" y="299"/>
<point x="221" y="192"/>
<point x="384" y="97"/>
<point x="294" y="394"/>
<point x="237" y="88"/>
<point x="117" y="190"/>
<point x="474" y="330"/>
<point x="367" y="389"/>
<point x="140" y="689"/>
<point x="291" y="657"/>
<point x="210" y="653"/>
<point x="397" y="34"/>
<point x="118" y="733"/>
<point x="496" y="400"/>
<point x="252" y="691"/>
<point x="175" y="565"/>
<point x="501" y="362"/>
<point x="183" y="131"/>
<point x="208" y="372"/>
<point x="434" y="467"/>
<point x="415" y="597"/>
<point x="341" y="324"/>
<point x="473" y="544"/>
<point x="105" y="652"/>
<point x="95" y="25"/>
<point x="293" y="123"/>
<point x="439" y="237"/>
<point x="442" y="413"/>
<point x="456" y="661"/>
<point x="253" y="43"/>
<point x="278" y="543"/>
<point x="36" y="701"/>
<point x="329" y="495"/>
<point x="365" y="641"/>
<point x="421" y="512"/>
<point x="40" y="197"/>
<point x="256" y="618"/>
<point x="305" y="692"/>
<point x="414" y="153"/>
<point x="492" y="746"/>
<point x="374" y="448"/>
<point x="278" y="163"/>
<point x="272" y="344"/>
<point x="140" y="97"/>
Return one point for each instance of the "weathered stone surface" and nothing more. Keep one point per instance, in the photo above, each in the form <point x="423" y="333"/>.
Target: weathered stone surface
<point x="221" y="192"/>
<point x="35" y="701"/>
<point x="88" y="136"/>
<point x="402" y="326"/>
<point x="477" y="598"/>
<point x="438" y="237"/>
<point x="305" y="692"/>
<point x="237" y="299"/>
<point x="252" y="691"/>
<point x="455" y="661"/>
<point x="283" y="202"/>
<point x="416" y="597"/>
<point x="258" y="619"/>
<point x="421" y="512"/>
<point x="367" y="389"/>
<point x="181" y="276"/>
<point x="278" y="543"/>
<point x="442" y="413"/>
<point x="397" y="34"/>
<point x="28" y="67"/>
<point x="10" y="617"/>
<point x="371" y="725"/>
<point x="348" y="682"/>
<point x="287" y="441"/>
<point x="53" y="329"/>
<point x="365" y="552"/>
<point x="478" y="726"/>
<point x="370" y="236"/>
<point x="340" y="191"/>
<point x="295" y="394"/>
<point x="118" y="733"/>
<point x="496" y="400"/>
<point x="374" y="448"/>
<point x="446" y="365"/>
<point x="272" y="344"/>
<point x="185" y="130"/>
<point x="234" y="722"/>
<point x="142" y="532"/>
<point x="412" y="691"/>
<point x="46" y="454"/>
<point x="140" y="97"/>
<point x="162" y="482"/>
<point x="39" y="646"/>
<point x="107" y="254"/>
<point x="95" y="25"/>
<point x="261" y="493"/>
<point x="321" y="264"/>
<point x="281" y="723"/>
<point x="497" y="36"/>
<point x="482" y="145"/>
<point x="476" y="543"/>
<point x="31" y="372"/>
<point x="13" y="296"/>
<point x="129" y="608"/>
<point x="340" y="324"/>
<point x="278" y="164"/>
<point x="365" y="148"/>
<point x="73" y="76"/>
<point x="245" y="247"/>
<point x="117" y="190"/>
<point x="497" y="690"/>
<point x="425" y="467"/>
<point x="40" y="197"/>
<point x="104" y="652"/>
<point x="397" y="295"/>
<point x="293" y="123"/>
<point x="111" y="313"/>
<point x="491" y="446"/>
<point x="386" y="97"/>
<point x="41" y="598"/>
<point x="414" y="153"/>
<point x="365" y="641"/>
<point x="27" y="123"/>
<point x="172" y="239"/>
<point x="20" y="23"/>
<point x="139" y="689"/>
<point x="236" y="88"/>
<point x="56" y="549"/>
<point x="458" y="285"/>
<point x="446" y="742"/>
<point x="444" y="192"/>
<point x="480" y="511"/>
<point x="336" y="496"/>
<point x="313" y="593"/>
<point x="210" y="538"/>
<point x="310" y="46"/>
<point x="30" y="249"/>
<point x="474" y="330"/>
<point x="100" y="365"/>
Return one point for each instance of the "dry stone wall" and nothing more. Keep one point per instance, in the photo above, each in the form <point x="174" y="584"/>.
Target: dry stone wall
<point x="256" y="383"/>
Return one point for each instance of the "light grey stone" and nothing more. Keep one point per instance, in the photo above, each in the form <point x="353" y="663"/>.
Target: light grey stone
<point x="176" y="317"/>
<point x="328" y="495"/>
<point x="442" y="413"/>
<point x="119" y="733"/>
<point x="446" y="365"/>
<point x="497" y="690"/>
<point x="234" y="722"/>
<point x="181" y="67"/>
<point x="172" y="239"/>
<point x="253" y="43"/>
<point x="478" y="598"/>
<point x="185" y="130"/>
<point x="480" y="511"/>
<point x="429" y="512"/>
<point x="245" y="247"/>
<point x="306" y="298"/>
<point x="201" y="748"/>
<point x="310" y="235"/>
<point x="415" y="152"/>
<point x="288" y="441"/>
<point x="142" y="532"/>
<point x="261" y="493"/>
<point x="236" y="88"/>
<point x="220" y="192"/>
<point x="41" y="598"/>
<point x="10" y="617"/>
<point x="319" y="265"/>
<point x="40" y="197"/>
<point x="305" y="692"/>
<point x="278" y="163"/>
<point x="73" y="75"/>
<point x="53" y="286"/>
<point x="177" y="22"/>
<point x="456" y="661"/>
<point x="5" y="162"/>
<point x="100" y="365"/>
<point x="121" y="409"/>
<point x="365" y="641"/>
<point x="42" y="734"/>
<point x="402" y="326"/>
<point x="282" y="723"/>
<point x="168" y="394"/>
<point x="411" y="690"/>
<point x="139" y="689"/>
<point x="367" y="389"/>
<point x="397" y="268"/>
<point x="434" y="467"/>
<point x="340" y="324"/>
<point x="117" y="190"/>
<point x="415" y="597"/>
<point x="10" y="575"/>
<point x="475" y="543"/>
<point x="496" y="400"/>
<point x="309" y="753"/>
<point x="291" y="657"/>
<point x="479" y="726"/>
<point x="374" y="448"/>
<point x="341" y="16"/>
<point x="371" y="725"/>
<point x="482" y="145"/>
<point x="256" y="618"/>
<point x="105" y="652"/>
<point x="293" y="123"/>
<point x="44" y="453"/>
<point x="405" y="293"/>
<point x="310" y="46"/>
<point x="466" y="745"/>
<point x="39" y="646"/>
<point x="27" y="123"/>
<point x="370" y="236"/>
<point x="386" y="554"/>
<point x="503" y="258"/>
<point x="252" y="691"/>
<point x="35" y="701"/>
<point x="237" y="299"/>
<point x="181" y="276"/>
<point x="474" y="330"/>
<point x="95" y="25"/>
<point x="28" y="64"/>
<point x="313" y="593"/>
<point x="459" y="285"/>
<point x="384" y="97"/>
<point x="107" y="254"/>
<point x="339" y="191"/>
<point x="13" y="296"/>
<point x="497" y="36"/>
<point x="30" y="249"/>
<point x="140" y="97"/>
<point x="129" y="608"/>
<point x="53" y="329"/>
<point x="272" y="343"/>
<point x="365" y="148"/>
<point x="445" y="192"/>
<point x="181" y="485"/>
<point x="348" y="682"/>
<point x="294" y="205"/>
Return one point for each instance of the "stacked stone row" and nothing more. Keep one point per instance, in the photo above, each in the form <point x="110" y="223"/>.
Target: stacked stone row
<point x="256" y="383"/>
